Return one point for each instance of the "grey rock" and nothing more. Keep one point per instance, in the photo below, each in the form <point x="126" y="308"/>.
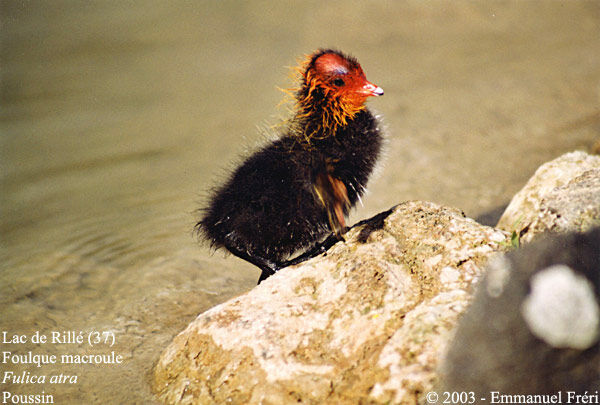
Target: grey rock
<point x="539" y="332"/>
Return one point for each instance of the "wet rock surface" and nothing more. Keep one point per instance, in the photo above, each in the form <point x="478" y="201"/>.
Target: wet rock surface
<point x="369" y="321"/>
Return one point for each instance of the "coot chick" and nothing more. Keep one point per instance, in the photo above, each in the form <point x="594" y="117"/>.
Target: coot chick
<point x="292" y="196"/>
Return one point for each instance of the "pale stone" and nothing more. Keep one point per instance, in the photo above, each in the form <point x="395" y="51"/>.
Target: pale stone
<point x="367" y="322"/>
<point x="563" y="195"/>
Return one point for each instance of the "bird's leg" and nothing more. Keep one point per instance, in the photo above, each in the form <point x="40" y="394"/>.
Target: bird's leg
<point x="266" y="273"/>
<point x="267" y="266"/>
<point x="319" y="248"/>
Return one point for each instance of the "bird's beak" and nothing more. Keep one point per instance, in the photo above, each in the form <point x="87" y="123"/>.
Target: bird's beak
<point x="371" y="90"/>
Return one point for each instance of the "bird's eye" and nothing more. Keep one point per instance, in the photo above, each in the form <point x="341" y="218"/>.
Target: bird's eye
<point x="338" y="82"/>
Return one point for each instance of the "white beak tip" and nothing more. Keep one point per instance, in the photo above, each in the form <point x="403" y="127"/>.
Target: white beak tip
<point x="378" y="91"/>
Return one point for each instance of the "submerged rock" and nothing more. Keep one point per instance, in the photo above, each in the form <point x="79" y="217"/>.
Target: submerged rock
<point x="533" y="327"/>
<point x="367" y="322"/>
<point x="563" y="195"/>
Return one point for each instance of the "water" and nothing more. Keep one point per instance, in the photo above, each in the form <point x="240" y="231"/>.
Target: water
<point x="118" y="116"/>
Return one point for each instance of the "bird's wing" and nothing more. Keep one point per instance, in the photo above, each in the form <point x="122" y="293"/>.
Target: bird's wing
<point x="332" y="193"/>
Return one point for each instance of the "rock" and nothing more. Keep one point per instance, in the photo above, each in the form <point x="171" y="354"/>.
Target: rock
<point x="563" y="195"/>
<point x="533" y="327"/>
<point x="367" y="322"/>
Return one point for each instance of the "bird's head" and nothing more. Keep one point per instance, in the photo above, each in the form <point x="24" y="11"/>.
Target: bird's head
<point x="335" y="86"/>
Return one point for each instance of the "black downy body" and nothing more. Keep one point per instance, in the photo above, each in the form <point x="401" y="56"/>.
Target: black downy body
<point x="274" y="205"/>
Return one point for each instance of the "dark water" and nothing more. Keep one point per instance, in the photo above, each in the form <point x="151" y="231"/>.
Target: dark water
<point x="117" y="116"/>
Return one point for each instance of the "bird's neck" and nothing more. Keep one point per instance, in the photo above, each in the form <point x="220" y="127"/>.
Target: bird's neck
<point x="321" y="117"/>
<point x="320" y="113"/>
